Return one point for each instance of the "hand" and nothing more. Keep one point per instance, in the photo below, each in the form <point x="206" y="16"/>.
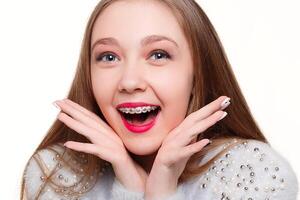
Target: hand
<point x="105" y="143"/>
<point x="178" y="147"/>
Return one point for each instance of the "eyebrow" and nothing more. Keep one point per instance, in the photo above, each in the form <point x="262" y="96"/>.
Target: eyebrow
<point x="145" y="41"/>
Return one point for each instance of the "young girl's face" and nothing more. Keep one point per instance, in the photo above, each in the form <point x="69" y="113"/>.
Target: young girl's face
<point x="132" y="68"/>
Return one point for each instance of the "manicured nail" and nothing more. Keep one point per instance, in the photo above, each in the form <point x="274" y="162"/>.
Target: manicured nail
<point x="225" y="103"/>
<point x="224" y="115"/>
<point x="209" y="142"/>
<point x="55" y="104"/>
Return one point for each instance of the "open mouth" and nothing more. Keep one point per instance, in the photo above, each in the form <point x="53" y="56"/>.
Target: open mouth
<point x="140" y="119"/>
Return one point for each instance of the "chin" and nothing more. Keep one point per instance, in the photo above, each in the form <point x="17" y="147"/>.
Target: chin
<point x="142" y="148"/>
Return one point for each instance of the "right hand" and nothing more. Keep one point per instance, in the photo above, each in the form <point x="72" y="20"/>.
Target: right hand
<point x="105" y="143"/>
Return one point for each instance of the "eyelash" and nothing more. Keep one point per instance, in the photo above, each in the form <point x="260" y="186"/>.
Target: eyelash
<point x="164" y="53"/>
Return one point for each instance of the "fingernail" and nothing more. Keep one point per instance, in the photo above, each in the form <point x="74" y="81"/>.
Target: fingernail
<point x="55" y="104"/>
<point x="224" y="115"/>
<point x="225" y="103"/>
<point x="209" y="142"/>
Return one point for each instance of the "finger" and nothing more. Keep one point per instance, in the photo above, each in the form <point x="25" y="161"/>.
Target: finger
<point x="219" y="104"/>
<point x="186" y="137"/>
<point x="76" y="114"/>
<point x="193" y="148"/>
<point x="101" y="152"/>
<point x="92" y="134"/>
<point x="87" y="112"/>
<point x="193" y="140"/>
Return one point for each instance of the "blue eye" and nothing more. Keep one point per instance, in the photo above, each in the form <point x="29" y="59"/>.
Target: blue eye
<point x="109" y="56"/>
<point x="161" y="54"/>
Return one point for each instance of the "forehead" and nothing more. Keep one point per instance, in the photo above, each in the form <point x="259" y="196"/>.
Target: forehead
<point x="132" y="21"/>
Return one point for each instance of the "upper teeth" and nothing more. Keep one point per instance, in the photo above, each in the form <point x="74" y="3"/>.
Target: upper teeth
<point x="138" y="110"/>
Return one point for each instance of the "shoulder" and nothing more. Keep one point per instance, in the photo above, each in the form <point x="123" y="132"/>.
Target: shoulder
<point x="49" y="171"/>
<point x="251" y="169"/>
<point x="39" y="167"/>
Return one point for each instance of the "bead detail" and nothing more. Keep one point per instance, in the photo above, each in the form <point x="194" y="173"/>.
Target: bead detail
<point x="246" y="177"/>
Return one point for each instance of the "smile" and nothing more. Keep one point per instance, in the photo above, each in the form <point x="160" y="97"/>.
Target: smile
<point x="140" y="122"/>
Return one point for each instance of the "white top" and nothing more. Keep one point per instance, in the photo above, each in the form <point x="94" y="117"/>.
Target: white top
<point x="251" y="170"/>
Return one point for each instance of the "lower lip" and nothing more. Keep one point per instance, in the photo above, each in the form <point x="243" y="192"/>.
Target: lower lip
<point x="139" y="129"/>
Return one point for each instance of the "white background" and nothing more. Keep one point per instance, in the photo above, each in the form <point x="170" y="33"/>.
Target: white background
<point x="39" y="49"/>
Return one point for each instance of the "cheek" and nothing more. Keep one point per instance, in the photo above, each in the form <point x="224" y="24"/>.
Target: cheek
<point x="174" y="87"/>
<point x="104" y="80"/>
<point x="103" y="92"/>
<point x="174" y="92"/>
<point x="103" y="88"/>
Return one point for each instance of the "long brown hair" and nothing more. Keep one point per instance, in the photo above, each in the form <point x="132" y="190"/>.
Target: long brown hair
<point x="213" y="77"/>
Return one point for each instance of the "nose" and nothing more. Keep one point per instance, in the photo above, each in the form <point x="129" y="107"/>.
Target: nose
<point x="132" y="79"/>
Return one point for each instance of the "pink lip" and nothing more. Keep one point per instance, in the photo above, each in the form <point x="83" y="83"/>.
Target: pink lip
<point x="139" y="129"/>
<point x="134" y="104"/>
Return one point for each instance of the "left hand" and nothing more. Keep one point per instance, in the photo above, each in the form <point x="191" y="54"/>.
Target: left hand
<point x="176" y="149"/>
<point x="104" y="143"/>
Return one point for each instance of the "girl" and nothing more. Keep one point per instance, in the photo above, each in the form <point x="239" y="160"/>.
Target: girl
<point x="145" y="116"/>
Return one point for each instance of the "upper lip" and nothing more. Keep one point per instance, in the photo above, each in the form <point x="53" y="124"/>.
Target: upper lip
<point x="134" y="104"/>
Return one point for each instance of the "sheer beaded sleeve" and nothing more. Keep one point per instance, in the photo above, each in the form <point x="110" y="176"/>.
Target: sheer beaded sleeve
<point x="49" y="175"/>
<point x="250" y="170"/>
